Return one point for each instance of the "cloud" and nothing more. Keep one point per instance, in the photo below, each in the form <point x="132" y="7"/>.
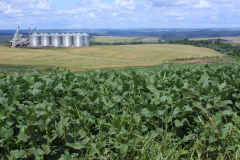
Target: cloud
<point x="44" y="4"/>
<point x="129" y="4"/>
<point x="203" y="4"/>
<point x="119" y="13"/>
<point x="91" y="15"/>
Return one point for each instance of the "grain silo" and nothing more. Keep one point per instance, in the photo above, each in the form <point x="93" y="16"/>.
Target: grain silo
<point x="34" y="40"/>
<point x="78" y="40"/>
<point x="67" y="40"/>
<point x="86" y="39"/>
<point x="56" y="40"/>
<point x="45" y="39"/>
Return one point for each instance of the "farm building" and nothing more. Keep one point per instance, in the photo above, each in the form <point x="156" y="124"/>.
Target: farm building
<point x="51" y="39"/>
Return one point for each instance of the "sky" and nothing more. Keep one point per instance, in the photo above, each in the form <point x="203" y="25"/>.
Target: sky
<point x="119" y="14"/>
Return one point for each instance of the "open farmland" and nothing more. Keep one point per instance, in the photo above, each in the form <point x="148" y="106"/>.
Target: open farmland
<point x="111" y="39"/>
<point x="101" y="56"/>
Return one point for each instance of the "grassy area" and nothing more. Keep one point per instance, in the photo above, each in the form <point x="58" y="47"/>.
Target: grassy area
<point x="111" y="39"/>
<point x="201" y="60"/>
<point x="101" y="56"/>
<point x="230" y="40"/>
<point x="22" y="69"/>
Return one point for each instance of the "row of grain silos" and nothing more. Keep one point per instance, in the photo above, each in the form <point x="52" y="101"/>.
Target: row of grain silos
<point x="59" y="40"/>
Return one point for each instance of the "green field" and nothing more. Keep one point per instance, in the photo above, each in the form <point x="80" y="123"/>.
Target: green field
<point x="111" y="39"/>
<point x="165" y="112"/>
<point x="101" y="56"/>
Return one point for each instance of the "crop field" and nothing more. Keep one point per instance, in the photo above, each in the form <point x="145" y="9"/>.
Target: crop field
<point x="163" y="112"/>
<point x="111" y="39"/>
<point x="230" y="40"/>
<point x="101" y="56"/>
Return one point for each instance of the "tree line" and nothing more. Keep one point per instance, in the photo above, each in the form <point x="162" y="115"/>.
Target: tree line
<point x="217" y="45"/>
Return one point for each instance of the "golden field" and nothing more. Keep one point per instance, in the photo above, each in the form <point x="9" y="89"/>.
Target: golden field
<point x="94" y="57"/>
<point x="111" y="39"/>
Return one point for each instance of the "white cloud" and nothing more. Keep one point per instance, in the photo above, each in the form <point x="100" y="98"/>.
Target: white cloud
<point x="44" y="4"/>
<point x="131" y="13"/>
<point x="22" y="1"/>
<point x="203" y="4"/>
<point x="129" y="4"/>
<point x="180" y="18"/>
<point x="92" y="15"/>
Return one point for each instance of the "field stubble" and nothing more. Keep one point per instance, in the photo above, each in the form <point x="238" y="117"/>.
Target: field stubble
<point x="101" y="56"/>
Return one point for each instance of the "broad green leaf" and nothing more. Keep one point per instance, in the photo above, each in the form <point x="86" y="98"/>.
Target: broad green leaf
<point x="187" y="108"/>
<point x="2" y="117"/>
<point x="123" y="148"/>
<point x="237" y="104"/>
<point x="178" y="123"/>
<point x="145" y="112"/>
<point x="176" y="111"/>
<point x="164" y="98"/>
<point x="222" y="86"/>
<point x="46" y="149"/>
<point x="76" y="145"/>
<point x="123" y="131"/>
<point x="18" y="153"/>
<point x="154" y="134"/>
<point x="205" y="85"/>
<point x="112" y="131"/>
<point x="85" y="141"/>
<point x="212" y="139"/>
<point x="209" y="106"/>
<point x="228" y="112"/>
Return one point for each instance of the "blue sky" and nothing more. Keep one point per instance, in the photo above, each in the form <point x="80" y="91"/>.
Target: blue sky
<point x="119" y="14"/>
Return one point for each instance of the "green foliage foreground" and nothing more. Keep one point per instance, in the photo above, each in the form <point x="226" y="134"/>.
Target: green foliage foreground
<point x="175" y="112"/>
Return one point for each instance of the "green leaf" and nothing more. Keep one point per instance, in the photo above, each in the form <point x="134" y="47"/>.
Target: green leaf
<point x="76" y="145"/>
<point x="205" y="85"/>
<point x="33" y="151"/>
<point x="85" y="141"/>
<point x="82" y="133"/>
<point x="212" y="139"/>
<point x="46" y="149"/>
<point x="164" y="98"/>
<point x="222" y="86"/>
<point x="11" y="98"/>
<point x="23" y="137"/>
<point x="178" y="123"/>
<point x="176" y="111"/>
<point x="237" y="104"/>
<point x="209" y="106"/>
<point x="123" y="131"/>
<point x="188" y="108"/>
<point x="18" y="153"/>
<point x="228" y="112"/>
<point x="112" y="131"/>
<point x="2" y="117"/>
<point x="145" y="112"/>
<point x="123" y="148"/>
<point x="35" y="92"/>
<point x="154" y="134"/>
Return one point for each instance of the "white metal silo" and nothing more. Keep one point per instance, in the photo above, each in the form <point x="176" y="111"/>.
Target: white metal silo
<point x="34" y="40"/>
<point x="67" y="40"/>
<point x="86" y="39"/>
<point x="78" y="40"/>
<point x="56" y="40"/>
<point x="45" y="39"/>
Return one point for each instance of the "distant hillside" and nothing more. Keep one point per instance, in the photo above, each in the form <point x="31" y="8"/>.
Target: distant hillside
<point x="165" y="34"/>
